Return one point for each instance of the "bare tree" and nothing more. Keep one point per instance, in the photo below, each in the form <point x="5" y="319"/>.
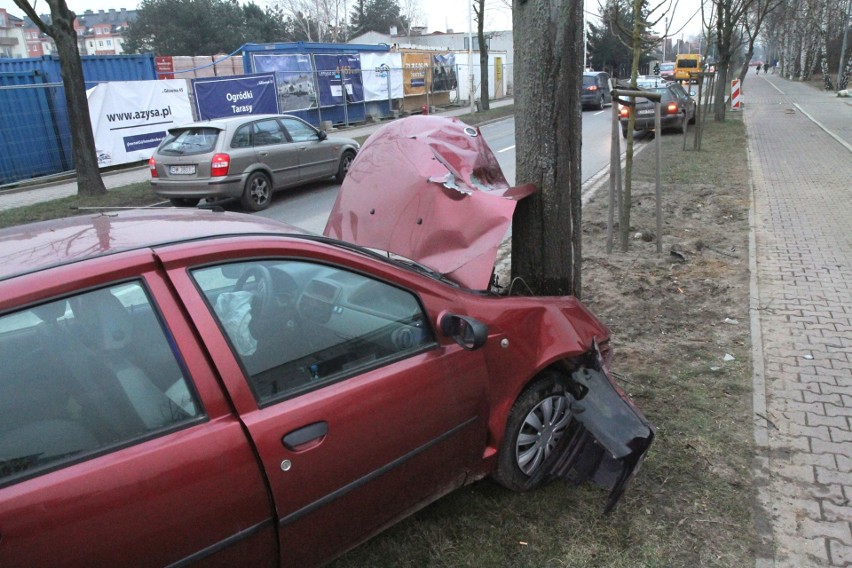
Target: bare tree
<point x="317" y="20"/>
<point x="61" y="29"/>
<point x="752" y="24"/>
<point x="411" y="15"/>
<point x="643" y="18"/>
<point x="546" y="232"/>
<point x="729" y="16"/>
<point x="479" y="14"/>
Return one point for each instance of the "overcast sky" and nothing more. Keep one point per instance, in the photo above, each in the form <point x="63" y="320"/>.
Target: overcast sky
<point x="439" y="15"/>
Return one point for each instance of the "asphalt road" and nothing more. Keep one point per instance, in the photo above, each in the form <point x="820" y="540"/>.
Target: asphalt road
<point x="308" y="207"/>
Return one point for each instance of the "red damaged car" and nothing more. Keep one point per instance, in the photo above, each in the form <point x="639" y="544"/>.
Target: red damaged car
<point x="201" y="386"/>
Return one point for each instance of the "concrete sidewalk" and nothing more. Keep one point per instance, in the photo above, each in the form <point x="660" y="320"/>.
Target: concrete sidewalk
<point x="800" y="151"/>
<point x="47" y="190"/>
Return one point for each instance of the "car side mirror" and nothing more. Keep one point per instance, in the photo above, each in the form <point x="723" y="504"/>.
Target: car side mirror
<point x="322" y="135"/>
<point x="468" y="332"/>
<point x="691" y="93"/>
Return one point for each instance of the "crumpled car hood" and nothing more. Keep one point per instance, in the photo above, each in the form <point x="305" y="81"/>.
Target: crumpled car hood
<point x="428" y="188"/>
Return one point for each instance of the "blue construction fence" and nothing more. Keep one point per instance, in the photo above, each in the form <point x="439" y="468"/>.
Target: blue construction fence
<point x="35" y="135"/>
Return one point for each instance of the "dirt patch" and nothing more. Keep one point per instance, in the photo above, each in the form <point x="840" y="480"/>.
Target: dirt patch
<point x="680" y="323"/>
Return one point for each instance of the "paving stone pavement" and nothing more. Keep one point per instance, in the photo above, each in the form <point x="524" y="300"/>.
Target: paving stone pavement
<point x="800" y="151"/>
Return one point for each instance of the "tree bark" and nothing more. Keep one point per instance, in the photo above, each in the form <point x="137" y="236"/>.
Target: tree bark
<point x="546" y="233"/>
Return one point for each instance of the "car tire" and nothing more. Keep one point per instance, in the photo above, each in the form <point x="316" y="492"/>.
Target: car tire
<point x="624" y="133"/>
<point x="692" y="120"/>
<point x="257" y="194"/>
<point x="184" y="201"/>
<point x="343" y="168"/>
<point x="600" y="105"/>
<point x="539" y="418"/>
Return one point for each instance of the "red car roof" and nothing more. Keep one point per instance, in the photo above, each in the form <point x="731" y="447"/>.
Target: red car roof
<point x="28" y="248"/>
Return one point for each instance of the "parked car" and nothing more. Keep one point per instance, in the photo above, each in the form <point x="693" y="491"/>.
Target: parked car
<point x="245" y="157"/>
<point x="182" y="386"/>
<point x="667" y="70"/>
<point x="595" y="91"/>
<point x="677" y="107"/>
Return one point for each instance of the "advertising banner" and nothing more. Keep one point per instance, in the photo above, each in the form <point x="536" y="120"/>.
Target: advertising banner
<point x="339" y="75"/>
<point x="294" y="77"/>
<point x="233" y="96"/>
<point x="416" y="68"/>
<point x="382" y="76"/>
<point x="444" y="73"/>
<point x="130" y="118"/>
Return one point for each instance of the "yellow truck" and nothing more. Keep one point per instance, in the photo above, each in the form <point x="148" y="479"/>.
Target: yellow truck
<point x="686" y="63"/>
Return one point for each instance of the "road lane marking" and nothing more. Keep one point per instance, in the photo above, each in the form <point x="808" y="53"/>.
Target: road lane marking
<point x="827" y="131"/>
<point x="775" y="87"/>
<point x="506" y="149"/>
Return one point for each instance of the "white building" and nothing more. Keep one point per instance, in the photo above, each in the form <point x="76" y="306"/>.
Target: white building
<point x="12" y="43"/>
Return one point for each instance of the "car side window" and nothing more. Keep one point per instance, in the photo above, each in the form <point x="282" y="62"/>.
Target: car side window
<point x="299" y="131"/>
<point x="268" y="132"/>
<point x="85" y="374"/>
<point x="242" y="137"/>
<point x="296" y="326"/>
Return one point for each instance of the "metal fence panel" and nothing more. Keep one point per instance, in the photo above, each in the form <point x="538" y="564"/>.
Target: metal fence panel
<point x="35" y="139"/>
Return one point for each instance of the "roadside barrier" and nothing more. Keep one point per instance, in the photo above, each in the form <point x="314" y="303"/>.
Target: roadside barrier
<point x="736" y="95"/>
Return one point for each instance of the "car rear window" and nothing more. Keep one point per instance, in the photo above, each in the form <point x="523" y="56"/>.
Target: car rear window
<point x="190" y="141"/>
<point x="687" y="63"/>
<point x="589" y="79"/>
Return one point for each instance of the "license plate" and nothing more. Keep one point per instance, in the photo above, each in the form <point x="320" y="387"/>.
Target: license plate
<point x="647" y="111"/>
<point x="181" y="170"/>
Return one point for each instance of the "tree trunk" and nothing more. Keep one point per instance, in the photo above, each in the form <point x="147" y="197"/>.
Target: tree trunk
<point x="546" y="232"/>
<point x="89" y="180"/>
<point x="484" y="103"/>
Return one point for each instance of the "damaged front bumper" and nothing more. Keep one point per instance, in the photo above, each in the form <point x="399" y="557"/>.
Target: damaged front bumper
<point x="608" y="438"/>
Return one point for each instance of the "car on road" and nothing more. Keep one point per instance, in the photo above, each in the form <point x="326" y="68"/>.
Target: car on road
<point x="667" y="70"/>
<point x="188" y="386"/>
<point x="245" y="157"/>
<point x="595" y="91"/>
<point x="677" y="107"/>
<point x="685" y="65"/>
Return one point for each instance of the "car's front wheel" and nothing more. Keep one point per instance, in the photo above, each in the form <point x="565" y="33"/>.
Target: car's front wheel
<point x="258" y="192"/>
<point x="343" y="168"/>
<point x="540" y="417"/>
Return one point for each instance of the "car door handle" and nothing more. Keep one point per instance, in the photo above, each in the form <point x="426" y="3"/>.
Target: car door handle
<point x="310" y="434"/>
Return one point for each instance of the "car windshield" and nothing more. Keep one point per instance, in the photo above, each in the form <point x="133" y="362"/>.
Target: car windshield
<point x="687" y="63"/>
<point x="666" y="66"/>
<point x="190" y="141"/>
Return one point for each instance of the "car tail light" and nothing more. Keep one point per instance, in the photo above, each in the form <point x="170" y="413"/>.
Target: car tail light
<point x="623" y="111"/>
<point x="152" y="165"/>
<point x="219" y="165"/>
<point x="672" y="108"/>
<point x="592" y="88"/>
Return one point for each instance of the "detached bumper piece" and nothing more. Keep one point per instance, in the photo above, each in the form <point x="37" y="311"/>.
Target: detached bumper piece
<point x="607" y="439"/>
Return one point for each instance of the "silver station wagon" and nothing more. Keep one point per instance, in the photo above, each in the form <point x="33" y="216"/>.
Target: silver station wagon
<point x="245" y="157"/>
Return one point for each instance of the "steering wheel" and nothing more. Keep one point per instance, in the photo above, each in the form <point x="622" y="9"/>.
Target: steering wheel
<point x="263" y="289"/>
